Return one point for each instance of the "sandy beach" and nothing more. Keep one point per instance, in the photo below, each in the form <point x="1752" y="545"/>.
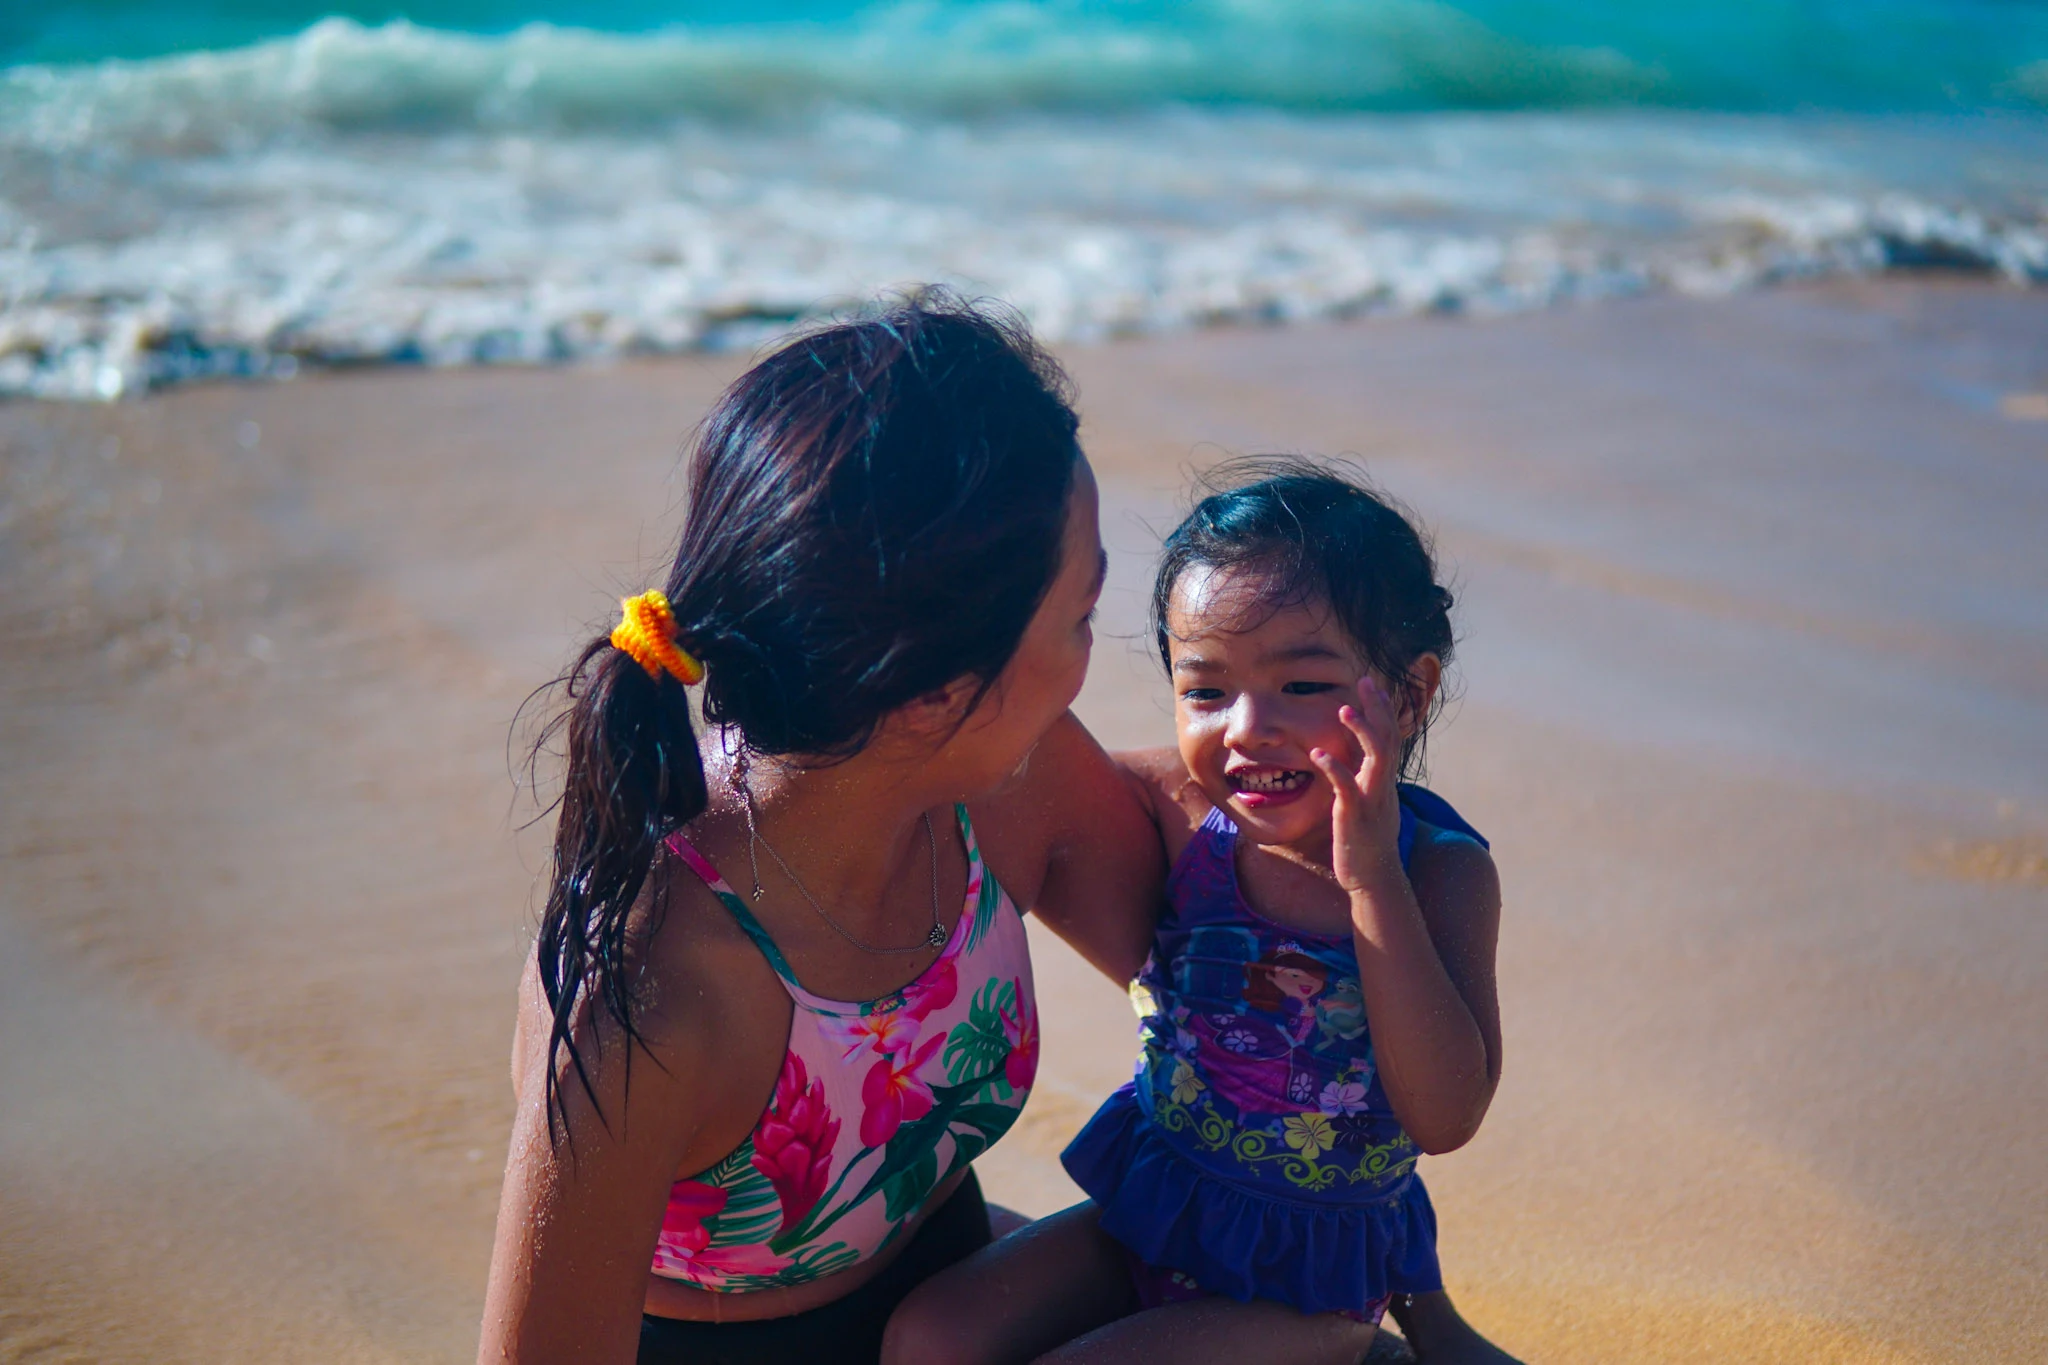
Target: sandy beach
<point x="1754" y="705"/>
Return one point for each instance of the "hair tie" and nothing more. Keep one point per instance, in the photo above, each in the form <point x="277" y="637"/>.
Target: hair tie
<point x="647" y="632"/>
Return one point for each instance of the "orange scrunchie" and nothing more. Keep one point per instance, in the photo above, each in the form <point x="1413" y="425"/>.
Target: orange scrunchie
<point x="647" y="632"/>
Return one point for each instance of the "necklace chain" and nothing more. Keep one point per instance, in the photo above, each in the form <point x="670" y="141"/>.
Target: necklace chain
<point x="934" y="938"/>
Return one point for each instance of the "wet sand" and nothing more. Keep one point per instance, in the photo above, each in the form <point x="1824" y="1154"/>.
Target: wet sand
<point x="1755" y="706"/>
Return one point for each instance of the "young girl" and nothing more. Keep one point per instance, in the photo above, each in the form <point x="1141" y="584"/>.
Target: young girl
<point x="1318" y="1000"/>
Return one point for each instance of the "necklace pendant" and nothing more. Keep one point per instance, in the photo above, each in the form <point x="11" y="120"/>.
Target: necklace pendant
<point x="758" y="892"/>
<point x="937" y="937"/>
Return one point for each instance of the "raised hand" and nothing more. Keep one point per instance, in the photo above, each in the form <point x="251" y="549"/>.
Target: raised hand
<point x="1365" y="821"/>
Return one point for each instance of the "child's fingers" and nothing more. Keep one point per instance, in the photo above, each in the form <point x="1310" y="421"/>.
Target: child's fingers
<point x="1372" y="740"/>
<point x="1340" y="776"/>
<point x="1376" y="701"/>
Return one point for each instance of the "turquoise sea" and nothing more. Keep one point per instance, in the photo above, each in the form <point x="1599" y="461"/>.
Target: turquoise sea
<point x="227" y="187"/>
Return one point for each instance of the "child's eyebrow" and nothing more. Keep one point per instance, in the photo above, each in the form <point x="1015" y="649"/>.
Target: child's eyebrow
<point x="1184" y="664"/>
<point x="1101" y="571"/>
<point x="1296" y="653"/>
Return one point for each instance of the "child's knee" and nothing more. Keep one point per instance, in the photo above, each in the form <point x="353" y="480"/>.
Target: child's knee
<point x="929" y="1329"/>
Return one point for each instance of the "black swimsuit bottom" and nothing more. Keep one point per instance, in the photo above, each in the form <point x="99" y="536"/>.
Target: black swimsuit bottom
<point x="845" y="1331"/>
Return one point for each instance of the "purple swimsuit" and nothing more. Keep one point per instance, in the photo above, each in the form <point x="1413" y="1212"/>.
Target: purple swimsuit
<point x="1256" y="1154"/>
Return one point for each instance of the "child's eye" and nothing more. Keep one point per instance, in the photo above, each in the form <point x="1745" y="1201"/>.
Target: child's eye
<point x="1307" y="689"/>
<point x="1201" y="693"/>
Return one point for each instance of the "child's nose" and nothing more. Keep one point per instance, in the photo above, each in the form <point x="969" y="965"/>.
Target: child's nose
<point x="1248" y="723"/>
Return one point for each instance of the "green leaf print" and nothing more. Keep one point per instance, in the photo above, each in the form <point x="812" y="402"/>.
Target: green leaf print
<point x="814" y="1263"/>
<point x="907" y="1189"/>
<point x="976" y="1128"/>
<point x="811" y="1263"/>
<point x="979" y="1044"/>
<point x="912" y="1144"/>
<point x="753" y="1211"/>
<point x="985" y="907"/>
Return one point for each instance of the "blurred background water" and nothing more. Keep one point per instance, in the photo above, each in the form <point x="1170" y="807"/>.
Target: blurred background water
<point x="235" y="188"/>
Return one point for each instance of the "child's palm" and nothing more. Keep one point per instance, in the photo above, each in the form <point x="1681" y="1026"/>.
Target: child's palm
<point x="1366" y="818"/>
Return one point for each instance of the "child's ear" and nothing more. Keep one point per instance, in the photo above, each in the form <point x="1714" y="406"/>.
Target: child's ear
<point x="1425" y="676"/>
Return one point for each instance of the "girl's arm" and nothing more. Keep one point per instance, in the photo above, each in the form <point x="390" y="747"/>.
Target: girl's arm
<point x="578" y="1218"/>
<point x="1103" y="868"/>
<point x="1425" y="948"/>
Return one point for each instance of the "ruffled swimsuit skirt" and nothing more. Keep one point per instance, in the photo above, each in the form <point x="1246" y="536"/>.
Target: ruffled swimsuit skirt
<point x="1256" y="1154"/>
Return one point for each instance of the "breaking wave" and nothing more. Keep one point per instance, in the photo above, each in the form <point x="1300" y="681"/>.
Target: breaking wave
<point x="403" y="194"/>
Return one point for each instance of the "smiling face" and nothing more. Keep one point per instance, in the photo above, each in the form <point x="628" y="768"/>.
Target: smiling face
<point x="1255" y="689"/>
<point x="1296" y="982"/>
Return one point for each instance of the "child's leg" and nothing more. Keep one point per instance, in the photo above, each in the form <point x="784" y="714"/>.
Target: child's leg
<point x="1044" y="1284"/>
<point x="1219" y="1331"/>
<point x="1440" y="1336"/>
<point x="1004" y="1221"/>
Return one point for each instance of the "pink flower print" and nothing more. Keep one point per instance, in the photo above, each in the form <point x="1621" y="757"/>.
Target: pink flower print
<point x="1342" y="1096"/>
<point x="683" y="1233"/>
<point x="793" y="1144"/>
<point x="1020" y="1068"/>
<point x="684" y="1250"/>
<point x="932" y="991"/>
<point x="894" y="1094"/>
<point x="883" y="1031"/>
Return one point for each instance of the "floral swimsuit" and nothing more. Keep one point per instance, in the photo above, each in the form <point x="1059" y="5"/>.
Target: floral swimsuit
<point x="877" y="1104"/>
<point x="1257" y="1154"/>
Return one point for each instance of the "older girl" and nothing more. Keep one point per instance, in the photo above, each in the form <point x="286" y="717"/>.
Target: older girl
<point x="780" y="998"/>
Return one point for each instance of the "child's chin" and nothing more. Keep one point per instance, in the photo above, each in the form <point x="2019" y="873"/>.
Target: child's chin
<point x="1265" y="823"/>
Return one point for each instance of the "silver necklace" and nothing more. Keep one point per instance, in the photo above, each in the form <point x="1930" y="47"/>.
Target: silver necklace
<point x="935" y="938"/>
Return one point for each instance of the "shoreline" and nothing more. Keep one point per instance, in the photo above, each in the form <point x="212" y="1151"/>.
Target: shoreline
<point x="1907" y="256"/>
<point x="1755" y="706"/>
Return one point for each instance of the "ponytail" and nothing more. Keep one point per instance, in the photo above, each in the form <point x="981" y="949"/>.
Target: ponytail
<point x="634" y="778"/>
<point x="875" y="511"/>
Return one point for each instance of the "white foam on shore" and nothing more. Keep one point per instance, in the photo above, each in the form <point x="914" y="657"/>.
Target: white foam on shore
<point x="125" y="267"/>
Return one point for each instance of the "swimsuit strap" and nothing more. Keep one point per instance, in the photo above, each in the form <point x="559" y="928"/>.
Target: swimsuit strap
<point x="736" y="907"/>
<point x="977" y="881"/>
<point x="1209" y="850"/>
<point x="967" y="838"/>
<point x="1433" y="808"/>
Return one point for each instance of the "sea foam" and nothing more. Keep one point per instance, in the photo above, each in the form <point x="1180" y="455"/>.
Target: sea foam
<point x="402" y="195"/>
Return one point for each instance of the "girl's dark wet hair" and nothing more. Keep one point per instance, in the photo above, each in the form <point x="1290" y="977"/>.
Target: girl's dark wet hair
<point x="875" y="511"/>
<point x="1323" y="535"/>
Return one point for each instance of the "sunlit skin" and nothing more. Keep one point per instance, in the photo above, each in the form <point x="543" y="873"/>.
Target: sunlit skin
<point x="1261" y="695"/>
<point x="576" y="1231"/>
<point x="1282" y="724"/>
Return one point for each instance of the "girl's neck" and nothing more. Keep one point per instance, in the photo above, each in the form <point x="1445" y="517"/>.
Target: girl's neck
<point x="848" y="827"/>
<point x="1311" y="853"/>
<point x="1293" y="885"/>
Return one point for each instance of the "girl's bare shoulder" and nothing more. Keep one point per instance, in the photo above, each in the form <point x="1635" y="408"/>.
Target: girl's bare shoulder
<point x="1177" y="804"/>
<point x="1454" y="874"/>
<point x="693" y="974"/>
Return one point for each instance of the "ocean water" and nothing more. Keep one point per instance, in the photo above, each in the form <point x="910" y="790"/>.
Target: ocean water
<point x="226" y="188"/>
